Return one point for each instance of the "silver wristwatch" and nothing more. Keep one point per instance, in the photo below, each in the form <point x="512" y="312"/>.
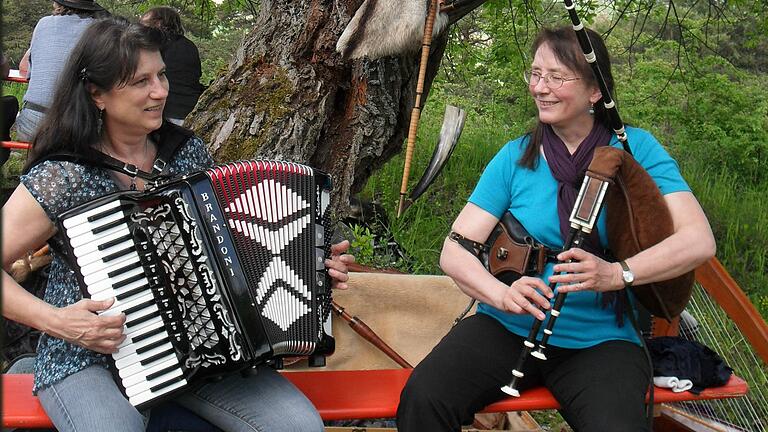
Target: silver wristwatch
<point x="626" y="274"/>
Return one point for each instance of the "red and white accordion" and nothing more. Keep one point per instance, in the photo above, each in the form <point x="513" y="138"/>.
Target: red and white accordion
<point x="216" y="271"/>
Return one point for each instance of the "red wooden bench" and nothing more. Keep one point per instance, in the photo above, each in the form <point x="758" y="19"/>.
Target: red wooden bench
<point x="343" y="395"/>
<point x="16" y="145"/>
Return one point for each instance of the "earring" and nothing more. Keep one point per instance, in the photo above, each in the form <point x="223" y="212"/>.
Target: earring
<point x="591" y="109"/>
<point x="100" y="122"/>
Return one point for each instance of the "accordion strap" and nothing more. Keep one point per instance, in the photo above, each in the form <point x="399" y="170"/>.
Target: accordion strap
<point x="169" y="138"/>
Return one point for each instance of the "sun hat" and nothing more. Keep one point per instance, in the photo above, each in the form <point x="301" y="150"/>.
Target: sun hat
<point x="89" y="5"/>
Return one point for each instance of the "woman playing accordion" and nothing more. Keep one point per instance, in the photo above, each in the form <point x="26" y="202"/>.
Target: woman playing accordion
<point x="596" y="367"/>
<point x="110" y="104"/>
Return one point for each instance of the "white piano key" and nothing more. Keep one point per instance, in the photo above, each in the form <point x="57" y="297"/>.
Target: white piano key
<point x="137" y="367"/>
<point x="93" y="245"/>
<point x="101" y="254"/>
<point x="89" y="227"/>
<point x="140" y="314"/>
<point x="120" y="306"/>
<point x="149" y="395"/>
<point x="83" y="217"/>
<point x="108" y="292"/>
<point x="101" y="282"/>
<point x="132" y="364"/>
<point x="102" y="267"/>
<point x="156" y="323"/>
<point x="87" y="238"/>
<point x="139" y="329"/>
<point x="137" y="380"/>
<point x="130" y="349"/>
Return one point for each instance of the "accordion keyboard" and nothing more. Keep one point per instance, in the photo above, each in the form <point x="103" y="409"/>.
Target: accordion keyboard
<point x="110" y="266"/>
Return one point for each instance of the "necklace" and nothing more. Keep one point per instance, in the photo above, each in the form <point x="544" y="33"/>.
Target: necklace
<point x="139" y="166"/>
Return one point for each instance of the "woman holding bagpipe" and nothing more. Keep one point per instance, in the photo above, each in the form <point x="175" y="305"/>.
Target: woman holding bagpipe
<point x="596" y="367"/>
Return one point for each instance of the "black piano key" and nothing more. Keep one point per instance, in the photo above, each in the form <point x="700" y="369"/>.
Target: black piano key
<point x="156" y="357"/>
<point x="139" y="307"/>
<point x="105" y="213"/>
<point x="162" y="372"/>
<point x="127" y="281"/>
<point x="121" y="270"/>
<point x="108" y="226"/>
<point x="151" y="346"/>
<point x="145" y="318"/>
<point x="147" y="335"/>
<point x="118" y="254"/>
<point x="132" y="292"/>
<point x="166" y="384"/>
<point x="114" y="242"/>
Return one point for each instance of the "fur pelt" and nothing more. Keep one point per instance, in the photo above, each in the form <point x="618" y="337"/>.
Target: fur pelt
<point x="380" y="28"/>
<point x="637" y="218"/>
<point x="410" y="313"/>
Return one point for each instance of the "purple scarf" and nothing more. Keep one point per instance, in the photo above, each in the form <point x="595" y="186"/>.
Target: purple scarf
<point x="568" y="169"/>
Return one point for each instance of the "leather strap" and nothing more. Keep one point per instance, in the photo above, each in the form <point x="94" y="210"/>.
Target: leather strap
<point x="471" y="246"/>
<point x="34" y="107"/>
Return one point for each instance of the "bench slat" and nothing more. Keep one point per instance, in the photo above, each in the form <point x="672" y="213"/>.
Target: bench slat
<point x="341" y="395"/>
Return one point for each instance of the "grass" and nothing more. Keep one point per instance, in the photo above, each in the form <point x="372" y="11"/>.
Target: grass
<point x="736" y="211"/>
<point x="15" y="89"/>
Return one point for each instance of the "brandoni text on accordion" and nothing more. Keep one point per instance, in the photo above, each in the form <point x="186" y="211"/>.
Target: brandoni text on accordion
<point x="216" y="271"/>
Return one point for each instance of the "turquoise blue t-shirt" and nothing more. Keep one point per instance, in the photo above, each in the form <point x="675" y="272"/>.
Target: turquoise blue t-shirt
<point x="531" y="196"/>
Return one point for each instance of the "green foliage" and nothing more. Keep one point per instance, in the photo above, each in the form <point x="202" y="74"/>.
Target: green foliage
<point x="217" y="30"/>
<point x="711" y="115"/>
<point x="361" y="245"/>
<point x="19" y="19"/>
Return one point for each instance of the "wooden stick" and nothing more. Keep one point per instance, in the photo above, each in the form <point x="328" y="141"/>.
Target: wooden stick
<point x="363" y="330"/>
<point x="416" y="112"/>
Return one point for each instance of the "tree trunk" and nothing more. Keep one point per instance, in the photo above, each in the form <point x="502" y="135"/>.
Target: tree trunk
<point x="288" y="95"/>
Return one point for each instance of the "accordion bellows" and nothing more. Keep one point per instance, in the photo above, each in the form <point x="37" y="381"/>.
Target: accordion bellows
<point x="215" y="271"/>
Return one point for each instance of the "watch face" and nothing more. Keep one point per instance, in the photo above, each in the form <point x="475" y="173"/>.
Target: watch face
<point x="628" y="276"/>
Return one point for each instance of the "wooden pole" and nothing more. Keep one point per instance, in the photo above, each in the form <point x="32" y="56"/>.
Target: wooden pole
<point x="416" y="112"/>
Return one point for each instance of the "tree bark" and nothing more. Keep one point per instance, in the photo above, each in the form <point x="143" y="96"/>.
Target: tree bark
<point x="288" y="95"/>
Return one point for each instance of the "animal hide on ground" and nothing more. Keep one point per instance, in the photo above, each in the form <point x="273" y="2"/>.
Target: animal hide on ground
<point x="410" y="313"/>
<point x="380" y="28"/>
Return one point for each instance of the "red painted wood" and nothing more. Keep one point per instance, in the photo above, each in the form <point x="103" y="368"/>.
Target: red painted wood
<point x="16" y="145"/>
<point x="343" y="395"/>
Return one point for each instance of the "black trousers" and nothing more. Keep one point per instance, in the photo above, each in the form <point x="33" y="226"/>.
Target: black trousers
<point x="600" y="389"/>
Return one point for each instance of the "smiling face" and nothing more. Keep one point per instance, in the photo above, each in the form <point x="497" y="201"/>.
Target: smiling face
<point x="136" y="107"/>
<point x="567" y="106"/>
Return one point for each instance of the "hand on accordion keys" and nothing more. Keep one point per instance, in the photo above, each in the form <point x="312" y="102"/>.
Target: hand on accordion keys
<point x="79" y="324"/>
<point x="580" y="270"/>
<point x="337" y="264"/>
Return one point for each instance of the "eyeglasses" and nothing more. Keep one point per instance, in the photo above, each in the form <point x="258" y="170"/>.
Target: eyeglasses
<point x="552" y="80"/>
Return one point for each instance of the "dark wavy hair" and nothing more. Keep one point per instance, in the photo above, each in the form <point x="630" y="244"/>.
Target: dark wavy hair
<point x="166" y="19"/>
<point x="565" y="45"/>
<point x="106" y="57"/>
<point x="66" y="10"/>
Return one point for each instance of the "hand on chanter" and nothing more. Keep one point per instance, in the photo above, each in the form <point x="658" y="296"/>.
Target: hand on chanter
<point x="337" y="264"/>
<point x="585" y="272"/>
<point x="526" y="295"/>
<point x="80" y="325"/>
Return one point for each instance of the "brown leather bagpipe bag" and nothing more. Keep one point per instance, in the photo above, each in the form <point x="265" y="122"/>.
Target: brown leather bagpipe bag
<point x="637" y="217"/>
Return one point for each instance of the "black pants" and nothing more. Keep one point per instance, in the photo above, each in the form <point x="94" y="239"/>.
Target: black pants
<point x="600" y="389"/>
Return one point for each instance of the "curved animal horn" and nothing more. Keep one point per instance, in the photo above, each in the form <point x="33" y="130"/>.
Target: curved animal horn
<point x="453" y="124"/>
